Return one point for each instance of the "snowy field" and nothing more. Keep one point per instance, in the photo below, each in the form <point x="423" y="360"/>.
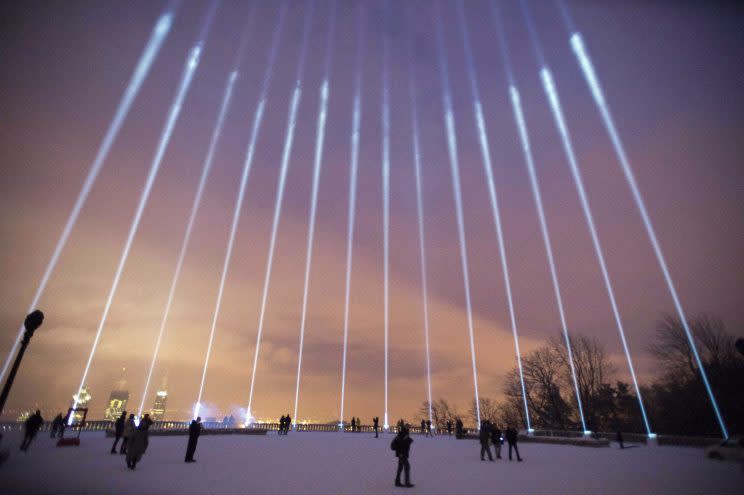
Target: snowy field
<point x="330" y="463"/>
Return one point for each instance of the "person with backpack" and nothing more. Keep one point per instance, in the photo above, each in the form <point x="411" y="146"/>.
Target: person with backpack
<point x="401" y="445"/>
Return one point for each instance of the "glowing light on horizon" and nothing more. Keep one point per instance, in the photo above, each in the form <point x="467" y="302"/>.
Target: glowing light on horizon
<point x="353" y="166"/>
<point x="420" y="219"/>
<point x="386" y="199"/>
<point x="317" y="165"/>
<point x="480" y="123"/>
<point x="206" y="168"/>
<point x="555" y="106"/>
<point x="284" y="168"/>
<point x="587" y="68"/>
<point x="449" y="121"/>
<point x="187" y="76"/>
<point x="245" y="175"/>
<point x="152" y="48"/>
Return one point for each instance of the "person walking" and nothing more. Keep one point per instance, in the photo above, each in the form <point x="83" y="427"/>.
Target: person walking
<point x="194" y="431"/>
<point x="401" y="444"/>
<point x="118" y="430"/>
<point x="496" y="440"/>
<point x="32" y="426"/>
<point x="129" y="428"/>
<point x="484" y="437"/>
<point x="56" y="425"/>
<point x="376" y="425"/>
<point x="511" y="438"/>
<point x="138" y="442"/>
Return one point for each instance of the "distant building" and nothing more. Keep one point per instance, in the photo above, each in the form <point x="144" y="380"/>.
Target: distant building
<point x="157" y="413"/>
<point x="82" y="399"/>
<point x="116" y="404"/>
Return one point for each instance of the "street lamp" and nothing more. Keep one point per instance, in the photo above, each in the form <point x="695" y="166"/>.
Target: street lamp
<point x="33" y="321"/>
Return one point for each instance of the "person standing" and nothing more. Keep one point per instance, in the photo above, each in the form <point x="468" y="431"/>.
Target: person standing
<point x="401" y="444"/>
<point x="496" y="440"/>
<point x="194" y="432"/>
<point x="129" y="428"/>
<point x="449" y="427"/>
<point x="423" y="427"/>
<point x="138" y="442"/>
<point x="281" y="425"/>
<point x="287" y="424"/>
<point x="620" y="439"/>
<point x="511" y="438"/>
<point x="118" y="430"/>
<point x="376" y="425"/>
<point x="56" y="425"/>
<point x="459" y="428"/>
<point x="353" y="424"/>
<point x="32" y="425"/>
<point x="428" y="428"/>
<point x="484" y="437"/>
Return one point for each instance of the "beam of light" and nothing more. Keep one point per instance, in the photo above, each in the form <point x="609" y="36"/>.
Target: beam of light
<point x="386" y="197"/>
<point x="286" y="154"/>
<point x="555" y="106"/>
<point x="192" y="62"/>
<point x="551" y="92"/>
<point x="420" y="217"/>
<point x="317" y="164"/>
<point x="245" y="175"/>
<point x="587" y="68"/>
<point x="206" y="168"/>
<point x="449" y="120"/>
<point x="152" y="48"/>
<point x="480" y="124"/>
<point x="353" y="167"/>
<point x="537" y="197"/>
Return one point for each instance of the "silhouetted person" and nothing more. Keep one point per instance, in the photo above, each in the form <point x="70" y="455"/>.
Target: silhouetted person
<point x="353" y="423"/>
<point x="376" y="425"/>
<point x="56" y="425"/>
<point x="484" y="437"/>
<point x="449" y="427"/>
<point x="620" y="439"/>
<point x="428" y="428"/>
<point x="32" y="425"/>
<point x="459" y="430"/>
<point x="288" y="424"/>
<point x="129" y="428"/>
<point x="119" y="430"/>
<point x="423" y="427"/>
<point x="401" y="444"/>
<point x="359" y="425"/>
<point x="194" y="432"/>
<point x="138" y="443"/>
<point x="282" y="420"/>
<point x="511" y="438"/>
<point x="496" y="440"/>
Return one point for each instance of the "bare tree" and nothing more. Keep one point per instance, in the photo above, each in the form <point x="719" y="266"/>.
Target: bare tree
<point x="441" y="412"/>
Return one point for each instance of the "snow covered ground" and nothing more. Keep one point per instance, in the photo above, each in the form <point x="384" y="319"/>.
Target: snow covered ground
<point x="331" y="463"/>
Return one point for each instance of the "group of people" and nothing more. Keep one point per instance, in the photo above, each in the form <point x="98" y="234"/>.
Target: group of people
<point x="426" y="427"/>
<point x="31" y="428"/>
<point x="489" y="432"/>
<point x="285" y="423"/>
<point x="134" y="438"/>
<point x="356" y="424"/>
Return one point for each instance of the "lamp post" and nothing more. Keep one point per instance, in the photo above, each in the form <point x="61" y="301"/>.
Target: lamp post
<point x="33" y="321"/>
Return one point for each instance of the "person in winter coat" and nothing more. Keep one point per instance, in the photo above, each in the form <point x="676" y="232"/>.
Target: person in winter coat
<point x="32" y="425"/>
<point x="129" y="428"/>
<point x="138" y="442"/>
<point x="56" y="425"/>
<point x="511" y="438"/>
<point x="118" y="430"/>
<point x="496" y="440"/>
<point x="484" y="437"/>
<point x="401" y="444"/>
<point x="194" y="432"/>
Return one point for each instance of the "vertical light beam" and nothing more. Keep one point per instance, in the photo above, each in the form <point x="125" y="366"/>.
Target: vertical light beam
<point x="592" y="80"/>
<point x="187" y="76"/>
<point x="420" y="216"/>
<point x="480" y="124"/>
<point x="386" y="197"/>
<point x="286" y="154"/>
<point x="551" y="93"/>
<point x="353" y="167"/>
<point x="152" y="48"/>
<point x="317" y="165"/>
<point x="245" y="175"/>
<point x="537" y="197"/>
<point x="449" y="120"/>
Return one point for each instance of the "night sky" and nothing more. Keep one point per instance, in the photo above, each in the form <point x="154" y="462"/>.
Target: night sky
<point x="671" y="71"/>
